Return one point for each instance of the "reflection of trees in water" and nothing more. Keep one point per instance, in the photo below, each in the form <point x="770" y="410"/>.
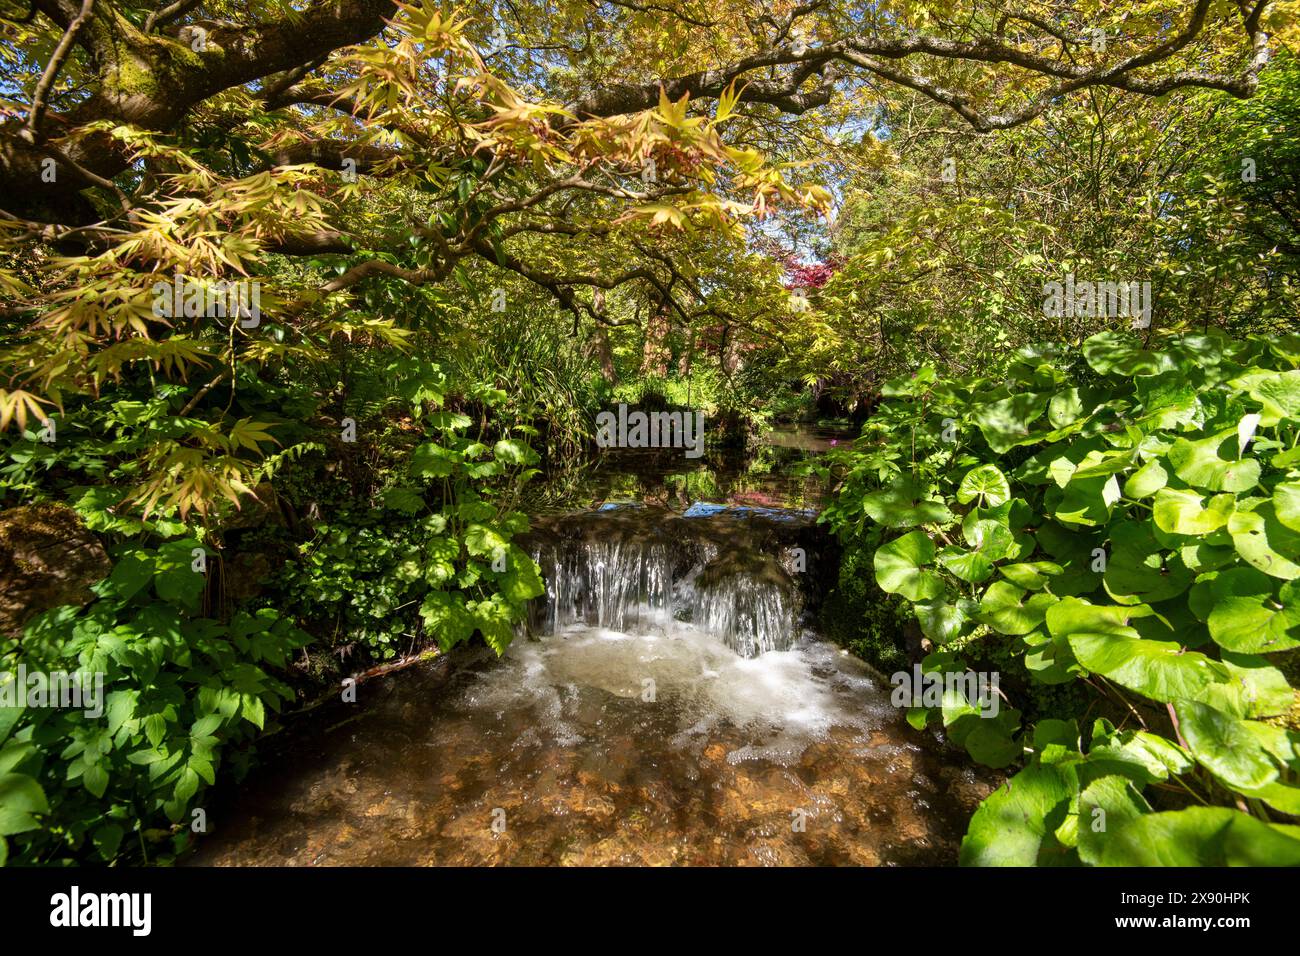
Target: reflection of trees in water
<point x="766" y="475"/>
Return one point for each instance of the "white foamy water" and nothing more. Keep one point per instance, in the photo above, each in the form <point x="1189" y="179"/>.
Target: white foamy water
<point x="779" y="702"/>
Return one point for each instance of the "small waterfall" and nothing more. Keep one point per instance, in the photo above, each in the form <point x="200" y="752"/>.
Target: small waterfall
<point x="752" y="616"/>
<point x="605" y="583"/>
<point x="634" y="575"/>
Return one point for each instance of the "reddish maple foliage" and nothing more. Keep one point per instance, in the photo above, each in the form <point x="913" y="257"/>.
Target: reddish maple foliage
<point x="811" y="276"/>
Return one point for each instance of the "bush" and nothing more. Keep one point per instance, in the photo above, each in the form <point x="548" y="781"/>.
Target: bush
<point x="1130" y="524"/>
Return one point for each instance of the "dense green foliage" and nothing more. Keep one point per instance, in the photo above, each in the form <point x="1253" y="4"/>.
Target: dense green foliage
<point x="1124" y="516"/>
<point x="466" y="248"/>
<point x="192" y="670"/>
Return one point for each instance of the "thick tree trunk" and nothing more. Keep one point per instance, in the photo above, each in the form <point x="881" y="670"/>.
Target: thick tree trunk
<point x="656" y="355"/>
<point x="605" y="355"/>
<point x="150" y="81"/>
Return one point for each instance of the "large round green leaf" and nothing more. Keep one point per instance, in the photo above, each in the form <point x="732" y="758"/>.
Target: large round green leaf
<point x="1161" y="670"/>
<point x="1224" y="745"/>
<point x="1255" y="689"/>
<point x="1005" y="423"/>
<point x="1005" y="608"/>
<point x="1279" y="393"/>
<point x="970" y="566"/>
<point x="1083" y="501"/>
<point x="1266" y="542"/>
<point x="1179" y="511"/>
<point x="905" y="504"/>
<point x="1105" y="806"/>
<point x="899" y="567"/>
<point x="1140" y="569"/>
<point x="1286" y="504"/>
<point x="1250" y="615"/>
<point x="1200" y="836"/>
<point x="1141" y="756"/>
<point x="21" y="797"/>
<point x="1119" y="353"/>
<point x="942" y="622"/>
<point x="987" y="483"/>
<point x="1015" y="825"/>
<point x="1049" y="659"/>
<point x="1206" y="464"/>
<point x="1146" y="481"/>
<point x="1033" y="576"/>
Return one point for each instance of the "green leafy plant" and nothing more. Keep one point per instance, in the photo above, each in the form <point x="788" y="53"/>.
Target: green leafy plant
<point x="1120" y="516"/>
<point x="179" y="689"/>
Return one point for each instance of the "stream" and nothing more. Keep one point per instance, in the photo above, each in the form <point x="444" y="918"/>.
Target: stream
<point x="667" y="702"/>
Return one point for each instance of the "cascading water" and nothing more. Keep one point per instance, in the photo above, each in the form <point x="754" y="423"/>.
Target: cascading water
<point x="605" y="583"/>
<point x="751" y="616"/>
<point x="626" y="573"/>
<point x="666" y="705"/>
